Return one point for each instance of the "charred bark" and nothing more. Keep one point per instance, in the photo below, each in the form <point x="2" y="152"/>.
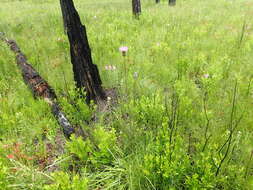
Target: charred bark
<point x="136" y="5"/>
<point x="39" y="87"/>
<point x="172" y="2"/>
<point x="64" y="18"/>
<point x="86" y="74"/>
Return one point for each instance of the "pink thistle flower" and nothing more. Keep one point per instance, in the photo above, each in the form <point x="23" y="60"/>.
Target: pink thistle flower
<point x="123" y="50"/>
<point x="110" y="67"/>
<point x="206" y="76"/>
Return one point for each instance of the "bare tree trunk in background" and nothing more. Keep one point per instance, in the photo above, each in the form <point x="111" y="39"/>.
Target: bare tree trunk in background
<point x="86" y="73"/>
<point x="136" y="4"/>
<point x="157" y="1"/>
<point x="172" y="2"/>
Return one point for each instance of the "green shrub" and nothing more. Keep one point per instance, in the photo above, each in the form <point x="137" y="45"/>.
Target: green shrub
<point x="63" y="181"/>
<point x="4" y="180"/>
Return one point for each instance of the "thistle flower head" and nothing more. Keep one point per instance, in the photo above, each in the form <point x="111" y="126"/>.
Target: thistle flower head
<point x="135" y="75"/>
<point x="110" y="67"/>
<point x="123" y="50"/>
<point x="206" y="76"/>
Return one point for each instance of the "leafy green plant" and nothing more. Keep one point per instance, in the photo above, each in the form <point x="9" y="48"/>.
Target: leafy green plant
<point x="63" y="181"/>
<point x="4" y="181"/>
<point x="98" y="151"/>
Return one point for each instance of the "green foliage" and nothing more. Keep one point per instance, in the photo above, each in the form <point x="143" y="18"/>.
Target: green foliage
<point x="99" y="152"/>
<point x="80" y="148"/>
<point x="63" y="181"/>
<point x="4" y="181"/>
<point x="147" y="111"/>
<point x="75" y="107"/>
<point x="180" y="123"/>
<point x="106" y="144"/>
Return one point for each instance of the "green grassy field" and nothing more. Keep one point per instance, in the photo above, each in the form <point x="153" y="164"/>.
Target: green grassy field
<point x="184" y="118"/>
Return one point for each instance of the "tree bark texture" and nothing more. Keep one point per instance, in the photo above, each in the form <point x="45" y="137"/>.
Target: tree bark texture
<point x="64" y="19"/>
<point x="172" y="2"/>
<point x="136" y="4"/>
<point x="86" y="74"/>
<point x="40" y="87"/>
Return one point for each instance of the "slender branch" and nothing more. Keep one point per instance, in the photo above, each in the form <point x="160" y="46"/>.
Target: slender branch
<point x="229" y="140"/>
<point x="248" y="164"/>
<point x="207" y="124"/>
<point x="249" y="85"/>
<point x="242" y="34"/>
<point x="235" y="127"/>
<point x="173" y="121"/>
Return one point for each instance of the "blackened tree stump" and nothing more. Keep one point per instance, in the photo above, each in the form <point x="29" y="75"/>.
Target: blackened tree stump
<point x="86" y="74"/>
<point x="136" y="5"/>
<point x="172" y="2"/>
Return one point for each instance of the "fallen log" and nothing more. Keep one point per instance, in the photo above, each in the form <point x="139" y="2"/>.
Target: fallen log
<point x="40" y="87"/>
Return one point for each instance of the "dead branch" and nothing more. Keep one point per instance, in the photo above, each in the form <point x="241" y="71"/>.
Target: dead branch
<point x="39" y="87"/>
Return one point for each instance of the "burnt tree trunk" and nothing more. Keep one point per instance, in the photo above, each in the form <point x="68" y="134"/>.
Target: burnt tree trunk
<point x="157" y="1"/>
<point x="86" y="73"/>
<point x="172" y="2"/>
<point x="40" y="88"/>
<point x="136" y="4"/>
<point x="64" y="18"/>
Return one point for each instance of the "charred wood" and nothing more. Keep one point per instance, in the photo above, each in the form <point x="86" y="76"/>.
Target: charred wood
<point x="172" y="2"/>
<point x="40" y="87"/>
<point x="86" y="74"/>
<point x="136" y="5"/>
